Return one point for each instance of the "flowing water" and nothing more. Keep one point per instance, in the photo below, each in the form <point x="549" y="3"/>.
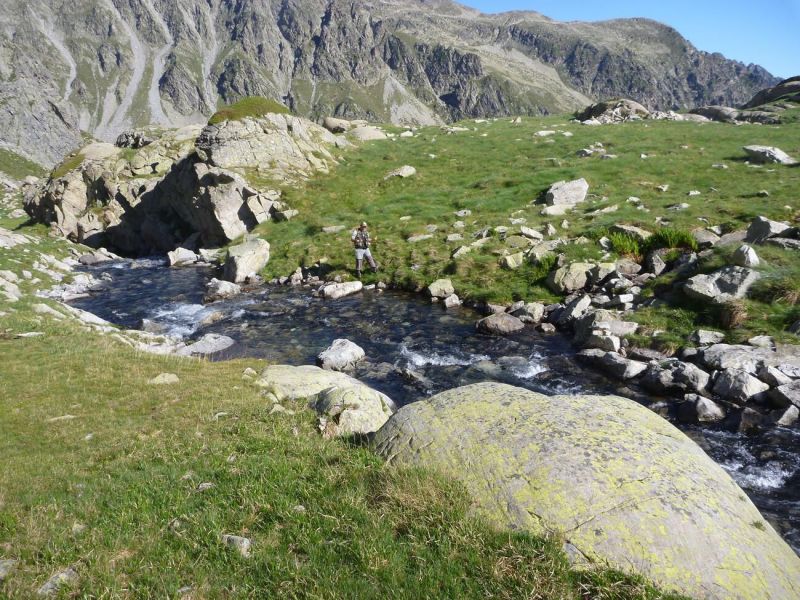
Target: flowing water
<point x="415" y="349"/>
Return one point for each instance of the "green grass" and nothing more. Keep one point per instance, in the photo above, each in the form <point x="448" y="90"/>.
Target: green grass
<point x="70" y="163"/>
<point x="17" y="166"/>
<point x="499" y="170"/>
<point x="113" y="491"/>
<point x="252" y="106"/>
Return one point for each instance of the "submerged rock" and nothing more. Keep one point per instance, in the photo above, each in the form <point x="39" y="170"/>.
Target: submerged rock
<point x="566" y="464"/>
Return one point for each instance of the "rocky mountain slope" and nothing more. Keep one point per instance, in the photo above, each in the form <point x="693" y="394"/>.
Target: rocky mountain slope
<point x="102" y="66"/>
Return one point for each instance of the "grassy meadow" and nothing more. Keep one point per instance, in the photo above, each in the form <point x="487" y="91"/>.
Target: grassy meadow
<point x="103" y="472"/>
<point x="499" y="171"/>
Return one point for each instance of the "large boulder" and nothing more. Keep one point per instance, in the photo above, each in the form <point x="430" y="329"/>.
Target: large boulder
<point x="346" y="406"/>
<point x="622" y="486"/>
<point x="341" y="355"/>
<point x="721" y="286"/>
<point x="500" y="324"/>
<point x="674" y="377"/>
<point x="614" y="111"/>
<point x="762" y="229"/>
<point x="283" y="147"/>
<point x="441" y="288"/>
<point x="768" y="154"/>
<point x="788" y="89"/>
<point x="245" y="260"/>
<point x="567" y="193"/>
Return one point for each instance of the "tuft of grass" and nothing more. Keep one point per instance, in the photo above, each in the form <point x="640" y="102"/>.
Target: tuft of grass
<point x="17" y="166"/>
<point x="251" y="106"/>
<point x="671" y="237"/>
<point x="70" y="163"/>
<point x="625" y="245"/>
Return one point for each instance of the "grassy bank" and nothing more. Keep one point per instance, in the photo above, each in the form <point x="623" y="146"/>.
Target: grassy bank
<point x="498" y="170"/>
<point x="103" y="472"/>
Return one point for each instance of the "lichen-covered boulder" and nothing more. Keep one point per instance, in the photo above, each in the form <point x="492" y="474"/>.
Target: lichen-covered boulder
<point x="621" y="485"/>
<point x="345" y="405"/>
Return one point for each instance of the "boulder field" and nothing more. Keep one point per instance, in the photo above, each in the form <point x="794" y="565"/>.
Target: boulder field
<point x="620" y="484"/>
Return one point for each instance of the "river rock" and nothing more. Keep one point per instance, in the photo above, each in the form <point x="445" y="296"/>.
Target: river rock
<point x="210" y="343"/>
<point x="441" y="288"/>
<point x="786" y="395"/>
<point x="217" y="289"/>
<point x="773" y="376"/>
<point x="721" y="286"/>
<point x="452" y="301"/>
<point x="697" y="409"/>
<point x="570" y="278"/>
<point x="762" y="229"/>
<point x="181" y="257"/>
<point x="563" y="464"/>
<point x="768" y="154"/>
<point x="790" y="416"/>
<point x="738" y="386"/>
<point x="575" y="309"/>
<point x="673" y="377"/>
<point x="334" y="291"/>
<point x="352" y="410"/>
<point x="531" y="312"/>
<point x="500" y="324"/>
<point x="245" y="260"/>
<point x="613" y="364"/>
<point x="603" y="341"/>
<point x="721" y="357"/>
<point x="703" y="337"/>
<point x="341" y="355"/>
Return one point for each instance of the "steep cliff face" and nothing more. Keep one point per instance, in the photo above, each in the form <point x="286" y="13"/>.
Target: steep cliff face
<point x="102" y="66"/>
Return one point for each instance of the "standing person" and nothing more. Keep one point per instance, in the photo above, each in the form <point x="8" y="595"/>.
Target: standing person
<point x="361" y="243"/>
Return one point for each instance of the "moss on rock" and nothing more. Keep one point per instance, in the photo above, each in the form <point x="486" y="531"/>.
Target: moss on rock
<point x="618" y="482"/>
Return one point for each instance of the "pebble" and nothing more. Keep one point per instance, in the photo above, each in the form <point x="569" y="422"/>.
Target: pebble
<point x="205" y="486"/>
<point x="277" y="408"/>
<point x="57" y="581"/>
<point x="238" y="543"/>
<point x="6" y="566"/>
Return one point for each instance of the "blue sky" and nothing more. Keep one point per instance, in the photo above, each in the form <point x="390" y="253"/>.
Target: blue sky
<point x="767" y="34"/>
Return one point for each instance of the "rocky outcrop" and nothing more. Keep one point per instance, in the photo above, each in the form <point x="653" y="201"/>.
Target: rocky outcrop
<point x="185" y="182"/>
<point x="122" y="65"/>
<point x="787" y="90"/>
<point x="614" y="111"/>
<point x="605" y="473"/>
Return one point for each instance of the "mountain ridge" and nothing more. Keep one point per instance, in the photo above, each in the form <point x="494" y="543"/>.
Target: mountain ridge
<point x="109" y="65"/>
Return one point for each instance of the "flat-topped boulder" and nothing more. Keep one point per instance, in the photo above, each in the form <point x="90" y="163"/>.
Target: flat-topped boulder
<point x="622" y="486"/>
<point x="245" y="260"/>
<point x="768" y="154"/>
<point x="722" y="286"/>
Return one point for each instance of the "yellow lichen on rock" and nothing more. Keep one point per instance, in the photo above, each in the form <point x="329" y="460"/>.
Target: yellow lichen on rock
<point x="618" y="482"/>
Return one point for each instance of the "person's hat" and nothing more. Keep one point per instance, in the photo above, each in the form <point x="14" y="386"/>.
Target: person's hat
<point x="363" y="223"/>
